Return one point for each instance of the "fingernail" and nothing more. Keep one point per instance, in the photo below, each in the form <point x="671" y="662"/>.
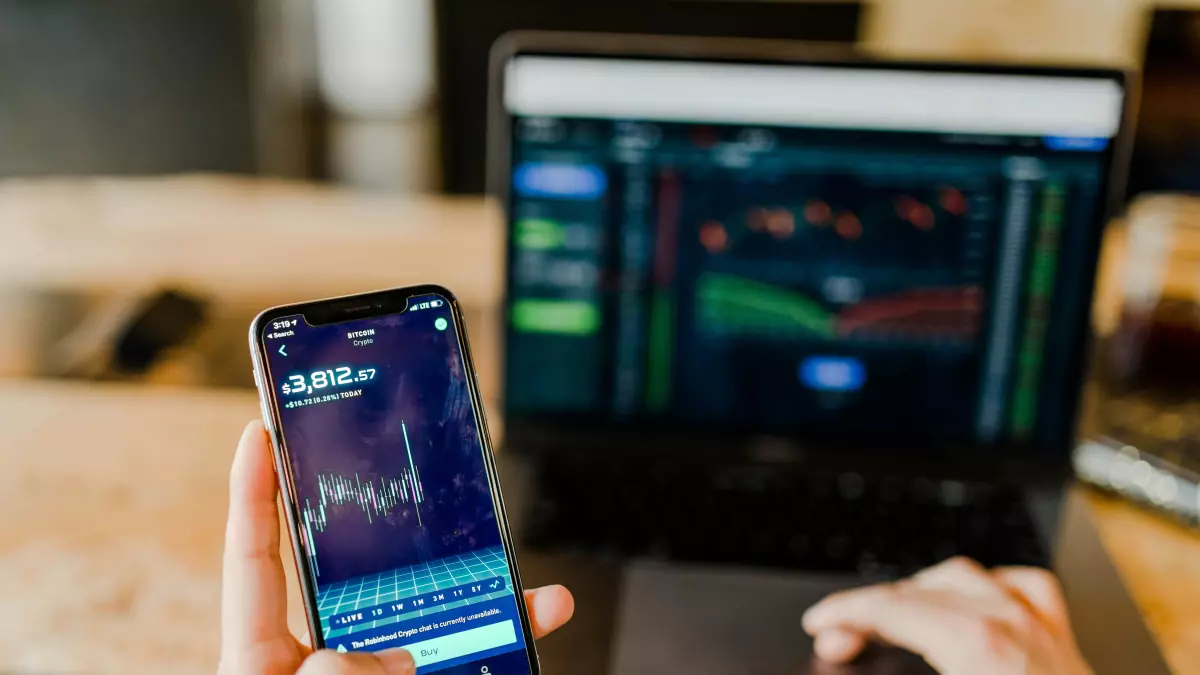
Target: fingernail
<point x="397" y="661"/>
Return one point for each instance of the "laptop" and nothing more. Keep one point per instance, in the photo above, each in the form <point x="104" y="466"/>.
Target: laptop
<point x="789" y="310"/>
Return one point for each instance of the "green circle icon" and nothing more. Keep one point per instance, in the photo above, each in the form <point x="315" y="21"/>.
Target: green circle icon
<point x="440" y="323"/>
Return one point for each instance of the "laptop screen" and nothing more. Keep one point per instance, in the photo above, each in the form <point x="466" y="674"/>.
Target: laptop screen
<point x="840" y="250"/>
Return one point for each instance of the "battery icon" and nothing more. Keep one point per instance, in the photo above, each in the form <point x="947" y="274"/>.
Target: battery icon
<point x="435" y="303"/>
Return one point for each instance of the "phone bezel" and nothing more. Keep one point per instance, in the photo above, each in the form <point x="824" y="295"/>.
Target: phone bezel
<point x="350" y="308"/>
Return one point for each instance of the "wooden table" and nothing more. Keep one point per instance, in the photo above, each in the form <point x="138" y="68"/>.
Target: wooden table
<point x="242" y="244"/>
<point x="114" y="495"/>
<point x="238" y="239"/>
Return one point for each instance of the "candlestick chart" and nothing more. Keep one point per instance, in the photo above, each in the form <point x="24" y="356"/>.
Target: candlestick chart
<point x="375" y="497"/>
<point x="852" y="257"/>
<point x="900" y="219"/>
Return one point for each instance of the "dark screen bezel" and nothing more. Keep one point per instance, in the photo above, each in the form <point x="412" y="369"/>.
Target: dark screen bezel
<point x="353" y="308"/>
<point x="549" y="432"/>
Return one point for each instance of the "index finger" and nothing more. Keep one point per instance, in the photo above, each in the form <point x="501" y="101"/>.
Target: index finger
<point x="254" y="589"/>
<point x="901" y="614"/>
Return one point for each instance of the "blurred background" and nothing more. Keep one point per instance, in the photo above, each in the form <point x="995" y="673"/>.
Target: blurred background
<point x="168" y="168"/>
<point x="389" y="98"/>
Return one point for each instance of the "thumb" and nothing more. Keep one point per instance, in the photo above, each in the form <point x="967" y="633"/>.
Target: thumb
<point x="394" y="661"/>
<point x="329" y="662"/>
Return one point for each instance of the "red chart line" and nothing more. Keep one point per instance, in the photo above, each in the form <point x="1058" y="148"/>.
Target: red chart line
<point x="910" y="304"/>
<point x="668" y="223"/>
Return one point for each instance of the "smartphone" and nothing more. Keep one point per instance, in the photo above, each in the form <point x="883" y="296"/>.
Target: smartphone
<point x="389" y="482"/>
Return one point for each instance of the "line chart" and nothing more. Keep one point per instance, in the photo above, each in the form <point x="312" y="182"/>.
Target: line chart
<point x="734" y="304"/>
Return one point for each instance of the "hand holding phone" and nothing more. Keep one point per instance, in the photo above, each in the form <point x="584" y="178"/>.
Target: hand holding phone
<point x="254" y="631"/>
<point x="389" y="487"/>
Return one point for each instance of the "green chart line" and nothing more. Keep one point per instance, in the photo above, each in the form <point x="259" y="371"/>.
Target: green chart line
<point x="1039" y="295"/>
<point x="728" y="302"/>
<point x="658" y="361"/>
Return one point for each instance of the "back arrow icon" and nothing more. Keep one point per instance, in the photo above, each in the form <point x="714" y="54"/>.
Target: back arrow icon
<point x="281" y="348"/>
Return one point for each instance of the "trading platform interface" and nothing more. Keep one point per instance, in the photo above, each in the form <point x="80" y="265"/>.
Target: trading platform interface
<point x="858" y="264"/>
<point x="396" y="515"/>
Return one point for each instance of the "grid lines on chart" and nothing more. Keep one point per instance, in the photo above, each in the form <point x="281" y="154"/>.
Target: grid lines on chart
<point x="406" y="582"/>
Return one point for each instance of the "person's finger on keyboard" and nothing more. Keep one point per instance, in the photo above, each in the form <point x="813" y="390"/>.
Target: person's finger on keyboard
<point x="961" y="618"/>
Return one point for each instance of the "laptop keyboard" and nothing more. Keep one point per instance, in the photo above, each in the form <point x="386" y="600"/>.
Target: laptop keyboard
<point x="878" y="528"/>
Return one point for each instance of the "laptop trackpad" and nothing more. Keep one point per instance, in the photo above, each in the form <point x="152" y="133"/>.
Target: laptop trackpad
<point x="702" y="621"/>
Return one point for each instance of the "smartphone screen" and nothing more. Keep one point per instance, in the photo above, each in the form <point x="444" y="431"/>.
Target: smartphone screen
<point x="399" y="530"/>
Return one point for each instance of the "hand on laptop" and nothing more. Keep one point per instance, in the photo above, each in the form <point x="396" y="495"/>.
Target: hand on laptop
<point x="254" y="633"/>
<point x="963" y="619"/>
